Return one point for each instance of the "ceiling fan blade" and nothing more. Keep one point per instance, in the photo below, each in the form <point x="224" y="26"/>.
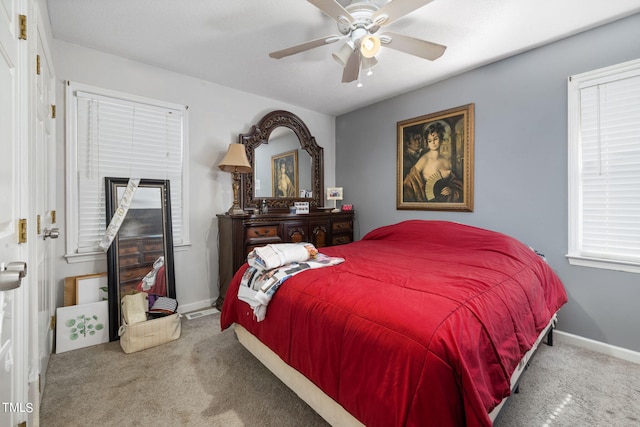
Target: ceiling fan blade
<point x="412" y="46"/>
<point x="352" y="68"/>
<point x="396" y="9"/>
<point x="333" y="9"/>
<point x="304" y="46"/>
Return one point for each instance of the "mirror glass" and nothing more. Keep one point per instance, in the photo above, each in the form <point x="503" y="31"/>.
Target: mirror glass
<point x="140" y="259"/>
<point x="281" y="168"/>
<point x="287" y="164"/>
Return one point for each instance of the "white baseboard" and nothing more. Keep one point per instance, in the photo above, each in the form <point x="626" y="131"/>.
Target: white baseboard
<point x="195" y="306"/>
<point x="598" y="346"/>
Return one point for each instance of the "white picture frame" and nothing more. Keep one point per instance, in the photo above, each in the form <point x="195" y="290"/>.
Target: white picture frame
<point x="93" y="288"/>
<point x="83" y="325"/>
<point x="334" y="193"/>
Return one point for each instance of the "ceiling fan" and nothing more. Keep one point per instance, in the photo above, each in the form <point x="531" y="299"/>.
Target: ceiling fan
<point x="358" y="24"/>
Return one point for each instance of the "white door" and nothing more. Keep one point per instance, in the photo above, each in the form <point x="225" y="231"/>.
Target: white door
<point x="14" y="404"/>
<point x="43" y="156"/>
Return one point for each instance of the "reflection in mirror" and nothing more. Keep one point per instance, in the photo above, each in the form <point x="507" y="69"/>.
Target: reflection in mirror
<point x="269" y="159"/>
<point x="282" y="135"/>
<point x="140" y="259"/>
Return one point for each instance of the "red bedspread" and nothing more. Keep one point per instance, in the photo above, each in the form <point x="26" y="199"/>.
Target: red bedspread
<point x="422" y="325"/>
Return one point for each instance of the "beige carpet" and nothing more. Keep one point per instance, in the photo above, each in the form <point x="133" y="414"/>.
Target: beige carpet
<point x="206" y="378"/>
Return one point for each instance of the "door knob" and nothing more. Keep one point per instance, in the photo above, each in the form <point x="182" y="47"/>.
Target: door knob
<point x="53" y="233"/>
<point x="11" y="275"/>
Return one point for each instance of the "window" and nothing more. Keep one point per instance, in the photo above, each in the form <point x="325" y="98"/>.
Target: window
<point x="604" y="168"/>
<point x="118" y="135"/>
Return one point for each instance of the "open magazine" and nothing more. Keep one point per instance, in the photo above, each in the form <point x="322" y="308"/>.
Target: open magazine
<point x="259" y="285"/>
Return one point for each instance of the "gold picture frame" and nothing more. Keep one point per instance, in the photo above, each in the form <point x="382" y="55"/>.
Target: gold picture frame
<point x="284" y="174"/>
<point x="435" y="161"/>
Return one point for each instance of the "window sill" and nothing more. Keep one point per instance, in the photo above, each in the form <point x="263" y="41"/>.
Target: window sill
<point x="101" y="256"/>
<point x="605" y="264"/>
<point x="85" y="257"/>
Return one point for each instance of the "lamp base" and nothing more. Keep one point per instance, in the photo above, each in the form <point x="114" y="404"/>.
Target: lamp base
<point x="237" y="211"/>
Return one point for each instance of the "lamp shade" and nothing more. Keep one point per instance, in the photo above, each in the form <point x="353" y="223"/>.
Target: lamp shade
<point x="343" y="54"/>
<point x="369" y="63"/>
<point x="235" y="160"/>
<point x="369" y="46"/>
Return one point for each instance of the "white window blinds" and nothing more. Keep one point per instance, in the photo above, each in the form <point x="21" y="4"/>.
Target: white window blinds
<point x="118" y="137"/>
<point x="605" y="166"/>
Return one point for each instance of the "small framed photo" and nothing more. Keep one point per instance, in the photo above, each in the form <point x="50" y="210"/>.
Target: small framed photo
<point x="334" y="193"/>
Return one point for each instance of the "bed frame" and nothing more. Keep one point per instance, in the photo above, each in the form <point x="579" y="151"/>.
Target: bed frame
<point x="328" y="408"/>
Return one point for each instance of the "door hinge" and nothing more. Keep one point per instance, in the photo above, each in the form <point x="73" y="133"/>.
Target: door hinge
<point x="38" y="64"/>
<point x="53" y="216"/>
<point x="23" y="27"/>
<point x="38" y="230"/>
<point x="52" y="323"/>
<point x="53" y="111"/>
<point x="22" y="230"/>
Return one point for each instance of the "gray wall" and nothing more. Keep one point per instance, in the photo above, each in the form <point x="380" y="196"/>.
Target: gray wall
<point x="520" y="165"/>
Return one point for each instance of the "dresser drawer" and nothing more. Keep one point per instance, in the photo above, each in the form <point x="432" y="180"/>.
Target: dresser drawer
<point x="262" y="231"/>
<point x="153" y="245"/>
<point x="134" y="273"/>
<point x="341" y="226"/>
<point x="152" y="256"/>
<point x="342" y="239"/>
<point x="129" y="247"/>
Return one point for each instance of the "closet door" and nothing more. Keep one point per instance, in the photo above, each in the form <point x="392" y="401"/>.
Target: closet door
<point x="13" y="164"/>
<point x="42" y="204"/>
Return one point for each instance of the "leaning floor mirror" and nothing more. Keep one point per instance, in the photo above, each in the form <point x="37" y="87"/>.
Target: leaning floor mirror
<point x="140" y="259"/>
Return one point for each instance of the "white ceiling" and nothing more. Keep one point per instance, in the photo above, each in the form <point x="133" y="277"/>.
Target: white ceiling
<point x="228" y="41"/>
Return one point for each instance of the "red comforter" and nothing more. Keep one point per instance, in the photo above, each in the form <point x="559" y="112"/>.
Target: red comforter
<point x="422" y="325"/>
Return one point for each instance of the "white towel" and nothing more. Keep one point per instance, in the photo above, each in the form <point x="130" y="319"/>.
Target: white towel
<point x="279" y="254"/>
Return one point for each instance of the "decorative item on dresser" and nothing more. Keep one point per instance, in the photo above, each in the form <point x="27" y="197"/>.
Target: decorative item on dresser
<point x="236" y="162"/>
<point x="238" y="235"/>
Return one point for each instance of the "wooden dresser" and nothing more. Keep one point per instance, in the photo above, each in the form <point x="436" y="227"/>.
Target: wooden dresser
<point x="238" y="235"/>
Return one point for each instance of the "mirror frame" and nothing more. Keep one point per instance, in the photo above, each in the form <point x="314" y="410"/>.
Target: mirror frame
<point x="113" y="258"/>
<point x="258" y="135"/>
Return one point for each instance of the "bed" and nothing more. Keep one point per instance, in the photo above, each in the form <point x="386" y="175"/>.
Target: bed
<point x="425" y="323"/>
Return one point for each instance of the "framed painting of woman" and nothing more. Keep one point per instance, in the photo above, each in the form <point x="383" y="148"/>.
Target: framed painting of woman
<point x="435" y="161"/>
<point x="284" y="170"/>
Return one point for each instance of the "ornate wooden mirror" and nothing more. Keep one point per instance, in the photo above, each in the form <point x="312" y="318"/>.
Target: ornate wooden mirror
<point x="280" y="147"/>
<point x="143" y="245"/>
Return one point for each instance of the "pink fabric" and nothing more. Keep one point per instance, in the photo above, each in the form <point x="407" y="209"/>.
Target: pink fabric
<point x="429" y="317"/>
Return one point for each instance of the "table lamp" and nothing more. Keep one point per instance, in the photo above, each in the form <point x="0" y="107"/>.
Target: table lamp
<point x="236" y="162"/>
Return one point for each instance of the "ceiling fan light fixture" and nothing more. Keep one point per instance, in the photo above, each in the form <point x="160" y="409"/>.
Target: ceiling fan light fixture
<point x="368" y="63"/>
<point x="342" y="55"/>
<point x="369" y="46"/>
